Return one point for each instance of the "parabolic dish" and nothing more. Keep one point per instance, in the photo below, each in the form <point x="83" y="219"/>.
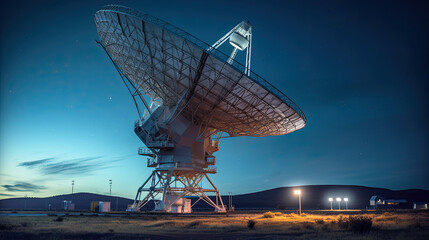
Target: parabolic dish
<point x="169" y="64"/>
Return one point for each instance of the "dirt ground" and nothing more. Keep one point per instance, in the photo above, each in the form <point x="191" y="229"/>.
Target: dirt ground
<point x="280" y="225"/>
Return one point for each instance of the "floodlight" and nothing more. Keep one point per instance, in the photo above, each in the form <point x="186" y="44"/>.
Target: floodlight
<point x="339" y="203"/>
<point x="298" y="192"/>
<point x="331" y="199"/>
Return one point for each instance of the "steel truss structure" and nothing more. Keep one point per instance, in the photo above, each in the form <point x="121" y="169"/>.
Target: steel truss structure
<point x="198" y="95"/>
<point x="166" y="183"/>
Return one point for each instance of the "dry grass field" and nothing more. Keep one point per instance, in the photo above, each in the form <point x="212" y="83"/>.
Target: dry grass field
<point x="317" y="225"/>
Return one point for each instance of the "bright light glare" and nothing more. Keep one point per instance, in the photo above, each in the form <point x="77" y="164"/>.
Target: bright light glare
<point x="298" y="192"/>
<point x="338" y="199"/>
<point x="346" y="199"/>
<point x="331" y="199"/>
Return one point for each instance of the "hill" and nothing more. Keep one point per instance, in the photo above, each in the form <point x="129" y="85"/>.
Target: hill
<point x="313" y="197"/>
<point x="316" y="197"/>
<point x="82" y="201"/>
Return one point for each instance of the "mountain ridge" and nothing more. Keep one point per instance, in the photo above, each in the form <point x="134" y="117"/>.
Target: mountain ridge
<point x="313" y="197"/>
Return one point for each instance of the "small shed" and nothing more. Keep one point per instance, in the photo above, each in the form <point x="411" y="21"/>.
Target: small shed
<point x="177" y="204"/>
<point x="373" y="201"/>
<point x="378" y="202"/>
<point x="420" y="205"/>
<point x="104" y="206"/>
<point x="100" y="206"/>
<point x="68" y="205"/>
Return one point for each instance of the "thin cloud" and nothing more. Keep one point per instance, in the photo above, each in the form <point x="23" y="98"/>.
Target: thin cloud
<point x="23" y="187"/>
<point x="73" y="166"/>
<point x="35" y="163"/>
<point x="54" y="166"/>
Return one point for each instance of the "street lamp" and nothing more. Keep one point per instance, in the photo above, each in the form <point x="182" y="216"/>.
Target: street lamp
<point x="110" y="182"/>
<point x="72" y="185"/>
<point x="346" y="200"/>
<point x="230" y="201"/>
<point x="298" y="192"/>
<point x="339" y="203"/>
<point x="331" y="200"/>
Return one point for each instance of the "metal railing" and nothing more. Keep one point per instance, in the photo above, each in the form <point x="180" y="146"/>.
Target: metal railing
<point x="138" y="123"/>
<point x="204" y="46"/>
<point x="160" y="144"/>
<point x="152" y="162"/>
<point x="146" y="151"/>
<point x="211" y="159"/>
<point x="211" y="169"/>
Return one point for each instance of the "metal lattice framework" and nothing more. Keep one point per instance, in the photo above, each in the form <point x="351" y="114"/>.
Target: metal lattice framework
<point x="175" y="68"/>
<point x="181" y="183"/>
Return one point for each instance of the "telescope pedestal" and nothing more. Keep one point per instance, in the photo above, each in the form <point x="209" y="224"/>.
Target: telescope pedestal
<point x="173" y="184"/>
<point x="182" y="158"/>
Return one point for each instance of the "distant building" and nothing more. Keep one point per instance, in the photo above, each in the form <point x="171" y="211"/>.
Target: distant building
<point x="181" y="205"/>
<point x="378" y="202"/>
<point x="67" y="205"/>
<point x="373" y="202"/>
<point x="100" y="206"/>
<point x="420" y="205"/>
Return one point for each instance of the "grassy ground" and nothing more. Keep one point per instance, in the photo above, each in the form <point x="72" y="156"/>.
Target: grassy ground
<point x="320" y="225"/>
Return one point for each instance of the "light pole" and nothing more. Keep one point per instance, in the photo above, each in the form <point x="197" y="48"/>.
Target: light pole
<point x="110" y="182"/>
<point x="339" y="203"/>
<point x="346" y="200"/>
<point x="331" y="200"/>
<point x="298" y="192"/>
<point x="72" y="185"/>
<point x="230" y="201"/>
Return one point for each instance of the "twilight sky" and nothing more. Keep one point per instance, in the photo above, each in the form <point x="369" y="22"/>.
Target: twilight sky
<point x="358" y="69"/>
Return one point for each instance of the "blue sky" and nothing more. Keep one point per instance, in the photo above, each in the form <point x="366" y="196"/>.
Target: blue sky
<point x="358" y="69"/>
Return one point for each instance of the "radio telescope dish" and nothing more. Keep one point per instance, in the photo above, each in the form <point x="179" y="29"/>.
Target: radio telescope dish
<point x="197" y="96"/>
